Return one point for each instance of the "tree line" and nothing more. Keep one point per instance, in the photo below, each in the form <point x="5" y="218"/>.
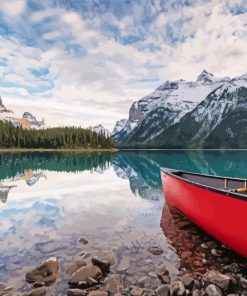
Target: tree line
<point x="52" y="138"/>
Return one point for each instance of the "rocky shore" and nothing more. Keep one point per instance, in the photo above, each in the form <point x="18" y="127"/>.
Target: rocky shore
<point x="205" y="267"/>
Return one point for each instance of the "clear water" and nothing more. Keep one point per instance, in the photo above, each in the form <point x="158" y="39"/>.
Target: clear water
<point x="49" y="200"/>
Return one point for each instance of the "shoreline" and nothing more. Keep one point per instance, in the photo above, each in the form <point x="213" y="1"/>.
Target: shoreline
<point x="57" y="150"/>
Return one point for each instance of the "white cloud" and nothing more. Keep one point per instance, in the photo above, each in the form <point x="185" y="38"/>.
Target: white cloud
<point x="12" y="8"/>
<point x="102" y="78"/>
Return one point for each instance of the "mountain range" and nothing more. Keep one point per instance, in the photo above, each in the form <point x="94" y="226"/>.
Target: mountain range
<point x="27" y="121"/>
<point x="210" y="112"/>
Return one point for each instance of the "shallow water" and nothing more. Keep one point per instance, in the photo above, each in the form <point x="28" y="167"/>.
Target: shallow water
<point x="49" y="200"/>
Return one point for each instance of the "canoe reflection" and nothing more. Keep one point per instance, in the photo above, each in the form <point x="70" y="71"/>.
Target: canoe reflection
<point x="197" y="251"/>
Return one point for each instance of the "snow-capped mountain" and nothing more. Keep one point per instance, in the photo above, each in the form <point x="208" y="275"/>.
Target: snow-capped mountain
<point x="100" y="129"/>
<point x="179" y="105"/>
<point x="27" y="121"/>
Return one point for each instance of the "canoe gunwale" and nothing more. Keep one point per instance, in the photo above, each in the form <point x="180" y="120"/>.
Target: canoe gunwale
<point x="174" y="173"/>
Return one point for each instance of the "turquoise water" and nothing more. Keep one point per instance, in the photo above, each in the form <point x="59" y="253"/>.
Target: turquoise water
<point x="48" y="200"/>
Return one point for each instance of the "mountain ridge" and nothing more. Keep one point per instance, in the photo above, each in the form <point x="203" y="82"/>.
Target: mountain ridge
<point x="180" y="110"/>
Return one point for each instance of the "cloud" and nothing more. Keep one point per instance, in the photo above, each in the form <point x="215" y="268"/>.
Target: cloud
<point x="100" y="58"/>
<point x="12" y="8"/>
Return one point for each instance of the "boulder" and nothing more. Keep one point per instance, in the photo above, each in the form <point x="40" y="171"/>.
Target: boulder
<point x="41" y="291"/>
<point x="47" y="272"/>
<point x="243" y="283"/>
<point x="114" y="283"/>
<point x="197" y="292"/>
<point x="155" y="250"/>
<point x="218" y="279"/>
<point x="83" y="273"/>
<point x="2" y="287"/>
<point x="213" y="290"/>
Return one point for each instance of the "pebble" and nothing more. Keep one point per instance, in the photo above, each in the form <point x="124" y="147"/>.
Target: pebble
<point x="217" y="278"/>
<point x="83" y="240"/>
<point x="77" y="292"/>
<point x="213" y="290"/>
<point x="155" y="250"/>
<point x="46" y="272"/>
<point x="124" y="264"/>
<point x="163" y="290"/>
<point x="136" y="291"/>
<point x="42" y="291"/>
<point x="187" y="280"/>
<point x="114" y="283"/>
<point x="177" y="288"/>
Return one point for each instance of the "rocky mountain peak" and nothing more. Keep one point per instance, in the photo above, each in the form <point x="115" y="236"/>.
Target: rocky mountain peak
<point x="205" y="77"/>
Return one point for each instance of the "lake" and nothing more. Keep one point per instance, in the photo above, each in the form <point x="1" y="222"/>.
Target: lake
<point x="49" y="200"/>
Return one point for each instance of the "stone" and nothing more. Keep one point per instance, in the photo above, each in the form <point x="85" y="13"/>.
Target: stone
<point x="75" y="266"/>
<point x="2" y="286"/>
<point x="243" y="283"/>
<point x="186" y="254"/>
<point x="218" y="279"/>
<point x="124" y="264"/>
<point x="144" y="280"/>
<point x="85" y="272"/>
<point x="41" y="291"/>
<point x="102" y="264"/>
<point x="109" y="256"/>
<point x="98" y="293"/>
<point x="216" y="253"/>
<point x="177" y="288"/>
<point x="114" y="283"/>
<point x="155" y="250"/>
<point x="164" y="278"/>
<point x="83" y="240"/>
<point x="198" y="293"/>
<point x="163" y="290"/>
<point x="213" y="290"/>
<point x="77" y="292"/>
<point x="38" y="284"/>
<point x="136" y="291"/>
<point x="187" y="280"/>
<point x="47" y="272"/>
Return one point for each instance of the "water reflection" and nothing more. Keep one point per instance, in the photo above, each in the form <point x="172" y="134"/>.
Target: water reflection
<point x="115" y="199"/>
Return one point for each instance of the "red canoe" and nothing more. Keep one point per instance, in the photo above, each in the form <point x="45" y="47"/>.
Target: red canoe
<point x="216" y="204"/>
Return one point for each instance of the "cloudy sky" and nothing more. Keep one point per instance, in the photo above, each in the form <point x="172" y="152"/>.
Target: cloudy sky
<point x="83" y="62"/>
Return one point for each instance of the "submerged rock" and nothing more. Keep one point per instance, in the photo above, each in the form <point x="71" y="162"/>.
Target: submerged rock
<point x="124" y="264"/>
<point x="83" y="240"/>
<point x="136" y="291"/>
<point x="77" y="292"/>
<point x="75" y="266"/>
<point x="42" y="291"/>
<point x="84" y="273"/>
<point x="155" y="250"/>
<point x="163" y="290"/>
<point x="47" y="272"/>
<point x="114" y="283"/>
<point x="102" y="264"/>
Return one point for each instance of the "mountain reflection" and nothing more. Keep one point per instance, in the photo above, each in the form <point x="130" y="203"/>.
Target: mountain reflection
<point x="140" y="168"/>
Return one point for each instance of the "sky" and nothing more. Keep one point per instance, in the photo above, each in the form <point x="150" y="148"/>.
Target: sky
<point x="84" y="62"/>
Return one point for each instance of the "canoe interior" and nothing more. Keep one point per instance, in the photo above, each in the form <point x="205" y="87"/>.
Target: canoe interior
<point x="215" y="182"/>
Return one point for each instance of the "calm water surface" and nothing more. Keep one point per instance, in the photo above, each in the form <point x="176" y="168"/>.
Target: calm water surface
<point x="49" y="200"/>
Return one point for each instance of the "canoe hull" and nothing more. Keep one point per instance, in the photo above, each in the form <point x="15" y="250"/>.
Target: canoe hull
<point x="224" y="217"/>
